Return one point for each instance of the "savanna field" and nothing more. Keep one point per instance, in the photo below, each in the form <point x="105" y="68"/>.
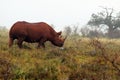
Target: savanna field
<point x="80" y="59"/>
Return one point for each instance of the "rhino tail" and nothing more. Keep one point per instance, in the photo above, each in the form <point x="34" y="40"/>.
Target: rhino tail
<point x="10" y="42"/>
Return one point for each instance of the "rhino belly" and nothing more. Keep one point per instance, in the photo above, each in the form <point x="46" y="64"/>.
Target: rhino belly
<point x="31" y="40"/>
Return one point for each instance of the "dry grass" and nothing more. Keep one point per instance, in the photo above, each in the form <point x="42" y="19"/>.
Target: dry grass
<point x="81" y="59"/>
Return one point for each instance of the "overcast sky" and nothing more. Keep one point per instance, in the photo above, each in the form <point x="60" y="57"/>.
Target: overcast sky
<point x="60" y="13"/>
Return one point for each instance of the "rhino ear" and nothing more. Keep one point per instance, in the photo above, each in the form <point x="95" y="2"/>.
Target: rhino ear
<point x="59" y="33"/>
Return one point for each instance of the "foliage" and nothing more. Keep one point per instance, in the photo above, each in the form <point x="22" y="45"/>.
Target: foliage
<point x="80" y="59"/>
<point x="67" y="30"/>
<point x="106" y="17"/>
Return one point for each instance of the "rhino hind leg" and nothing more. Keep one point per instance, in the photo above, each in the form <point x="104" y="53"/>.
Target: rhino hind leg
<point x="20" y="41"/>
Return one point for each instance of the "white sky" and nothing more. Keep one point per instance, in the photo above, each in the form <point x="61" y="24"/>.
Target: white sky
<point x="60" y="13"/>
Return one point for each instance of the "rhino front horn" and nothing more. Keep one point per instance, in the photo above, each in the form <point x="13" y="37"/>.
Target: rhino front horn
<point x="65" y="38"/>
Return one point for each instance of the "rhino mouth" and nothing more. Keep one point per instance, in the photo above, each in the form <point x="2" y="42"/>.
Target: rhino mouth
<point x="60" y="45"/>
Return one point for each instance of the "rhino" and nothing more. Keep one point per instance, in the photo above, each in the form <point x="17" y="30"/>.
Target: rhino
<point x="38" y="32"/>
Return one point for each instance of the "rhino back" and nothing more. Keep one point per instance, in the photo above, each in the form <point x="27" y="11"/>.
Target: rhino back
<point x="18" y="29"/>
<point x="32" y="31"/>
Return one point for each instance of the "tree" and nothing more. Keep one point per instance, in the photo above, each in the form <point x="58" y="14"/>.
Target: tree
<point x="84" y="31"/>
<point x="106" y="17"/>
<point x="91" y="32"/>
<point x="75" y="29"/>
<point x="67" y="30"/>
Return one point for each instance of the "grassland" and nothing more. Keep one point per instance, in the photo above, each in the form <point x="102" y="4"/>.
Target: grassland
<point x="81" y="59"/>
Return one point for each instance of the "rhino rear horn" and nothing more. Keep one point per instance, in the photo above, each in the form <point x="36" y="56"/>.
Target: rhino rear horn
<point x="59" y="33"/>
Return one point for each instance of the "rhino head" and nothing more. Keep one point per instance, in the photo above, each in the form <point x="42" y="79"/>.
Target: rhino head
<point x="58" y="40"/>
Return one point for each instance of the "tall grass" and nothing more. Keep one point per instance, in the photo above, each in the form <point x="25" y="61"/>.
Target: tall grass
<point x="80" y="59"/>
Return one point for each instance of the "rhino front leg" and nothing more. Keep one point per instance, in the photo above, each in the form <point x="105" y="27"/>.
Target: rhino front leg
<point x="41" y="43"/>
